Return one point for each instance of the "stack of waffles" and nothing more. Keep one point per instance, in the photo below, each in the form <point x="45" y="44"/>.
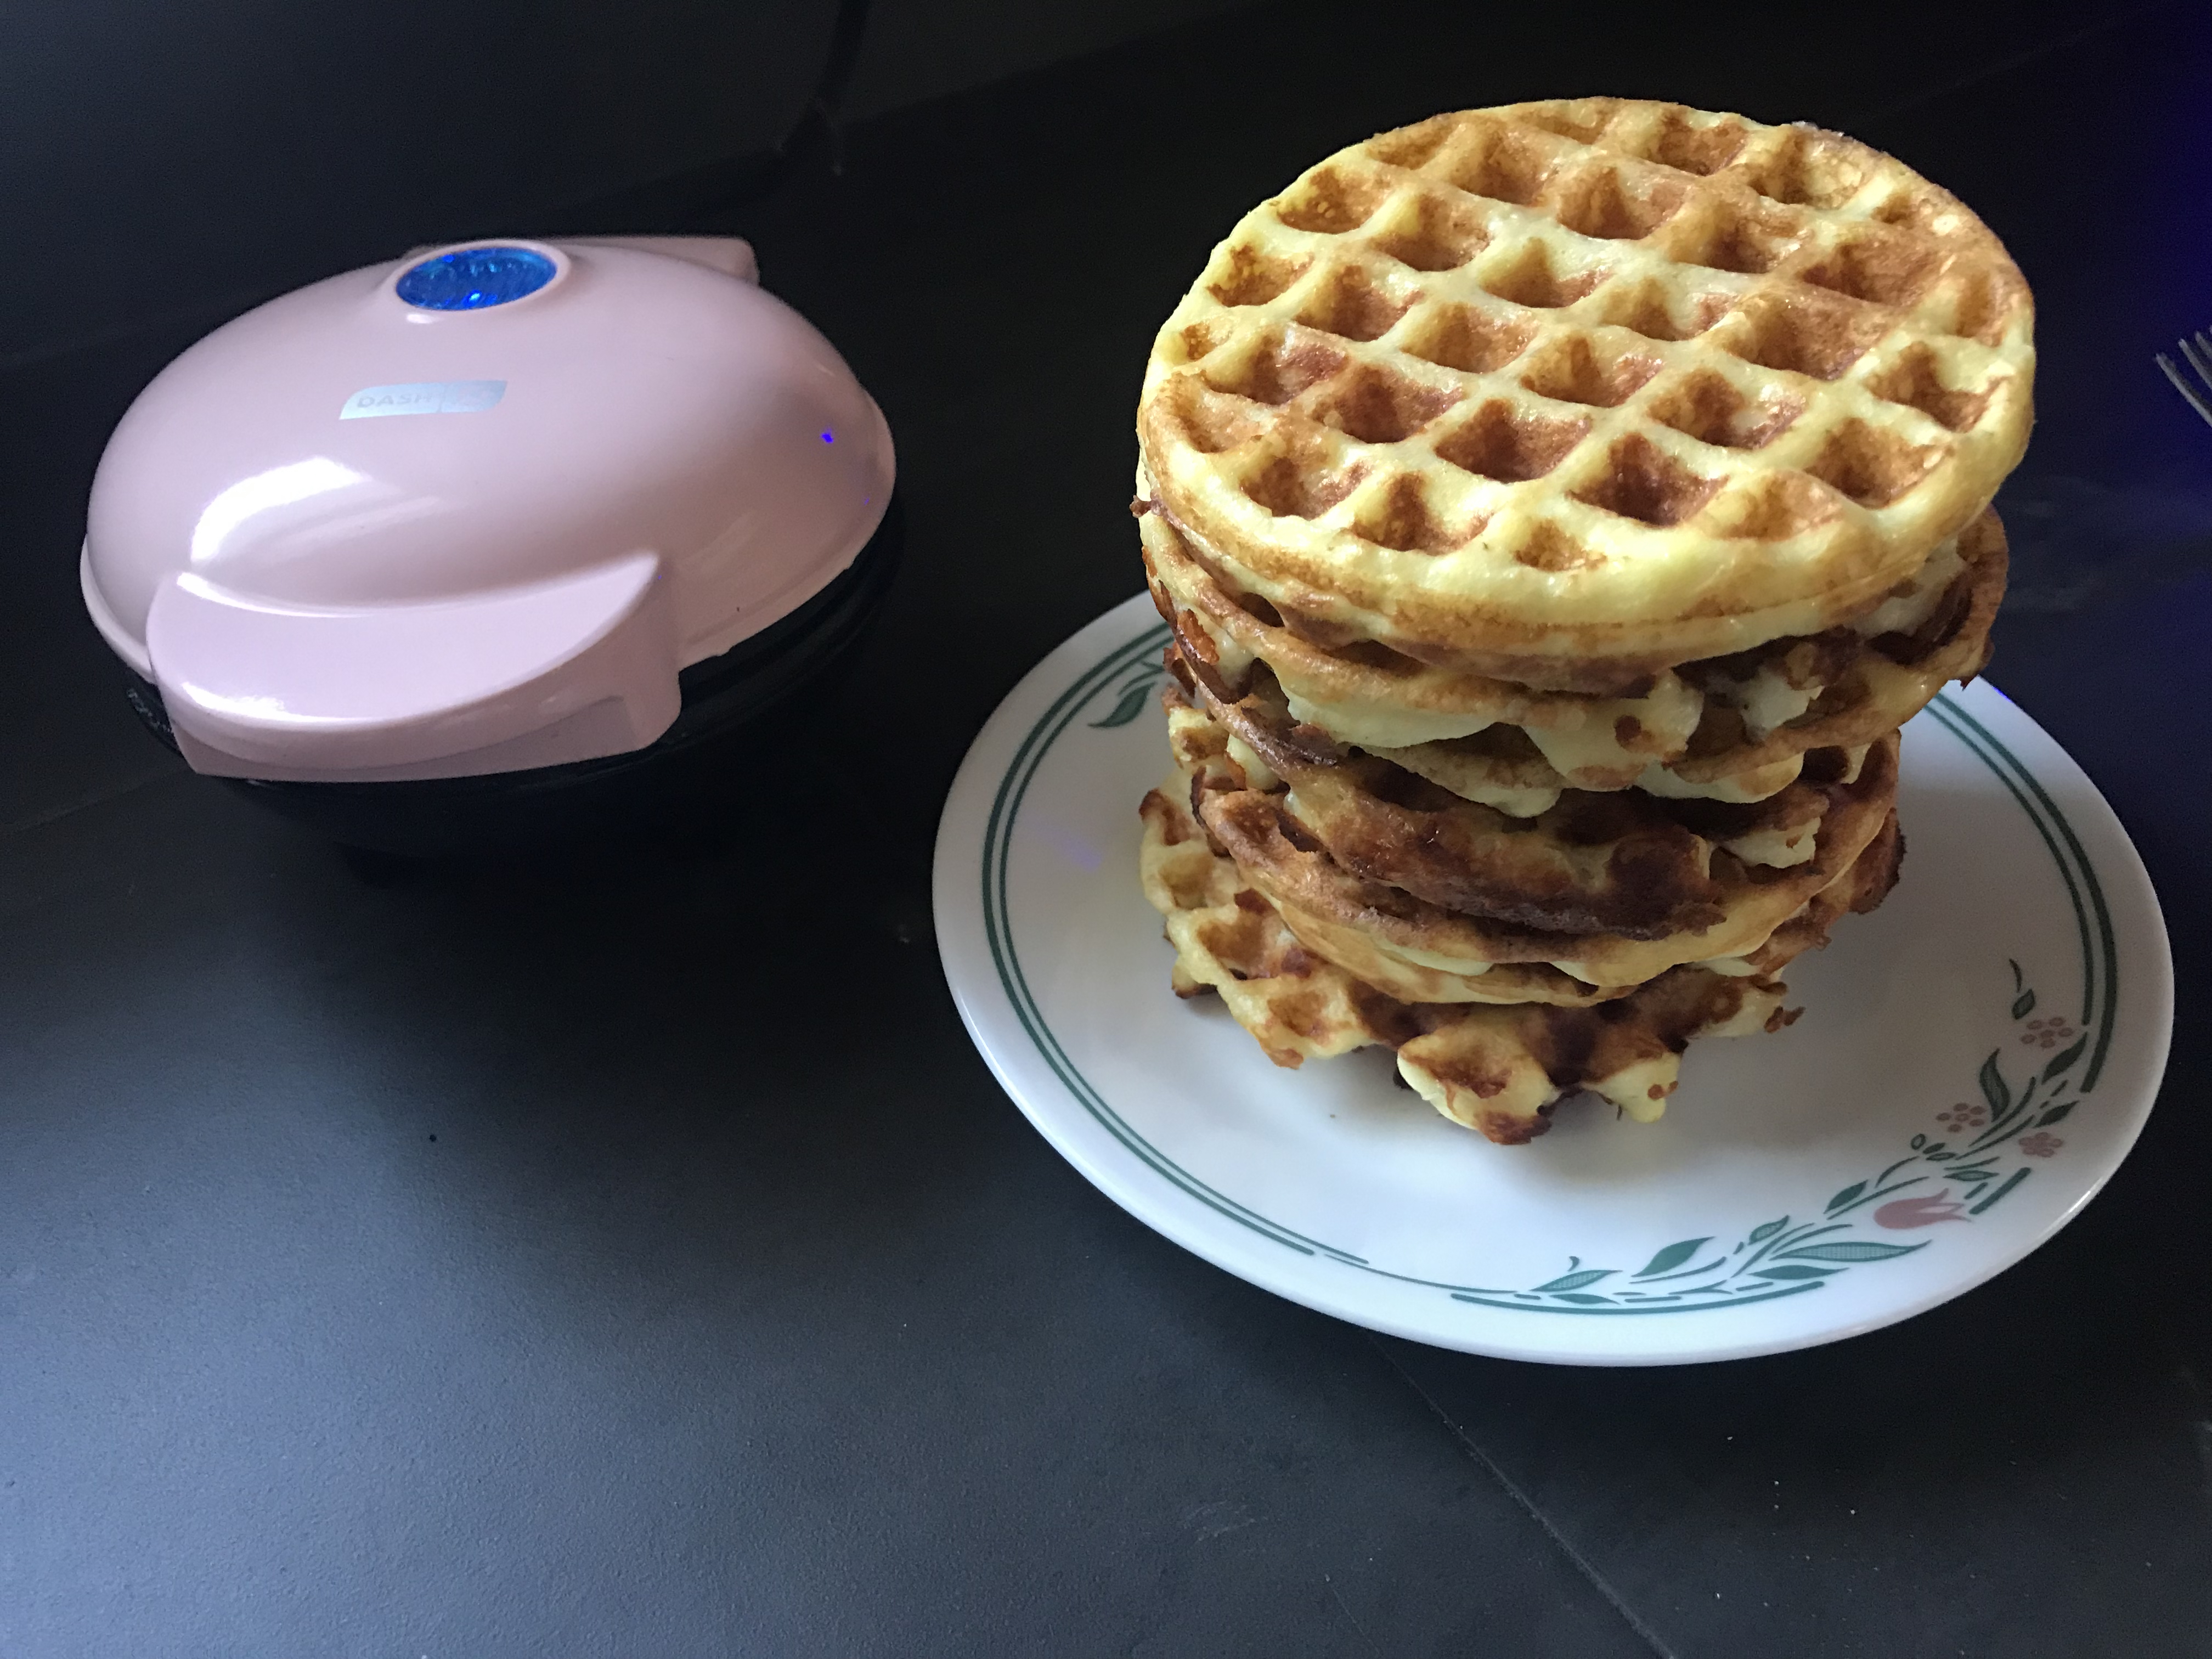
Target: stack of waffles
<point x="1558" y="508"/>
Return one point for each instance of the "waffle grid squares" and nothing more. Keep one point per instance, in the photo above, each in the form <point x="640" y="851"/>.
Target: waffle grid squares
<point x="1504" y="459"/>
<point x="1680" y="291"/>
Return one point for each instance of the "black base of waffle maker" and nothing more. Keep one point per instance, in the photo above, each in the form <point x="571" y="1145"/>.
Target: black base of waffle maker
<point x="727" y="700"/>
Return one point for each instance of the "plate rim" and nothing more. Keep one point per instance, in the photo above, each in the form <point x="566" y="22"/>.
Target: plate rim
<point x="972" y="922"/>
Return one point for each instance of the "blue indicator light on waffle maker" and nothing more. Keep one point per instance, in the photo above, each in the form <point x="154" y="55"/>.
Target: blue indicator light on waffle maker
<point x="473" y="278"/>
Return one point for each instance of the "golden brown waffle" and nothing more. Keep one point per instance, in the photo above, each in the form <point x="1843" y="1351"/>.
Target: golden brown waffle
<point x="1416" y="948"/>
<point x="1625" y="863"/>
<point x="1499" y="1070"/>
<point x="1694" y="732"/>
<point x="1567" y="392"/>
<point x="1359" y="953"/>
<point x="1205" y="766"/>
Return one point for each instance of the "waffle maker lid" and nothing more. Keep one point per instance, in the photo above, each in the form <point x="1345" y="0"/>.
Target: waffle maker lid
<point x="473" y="511"/>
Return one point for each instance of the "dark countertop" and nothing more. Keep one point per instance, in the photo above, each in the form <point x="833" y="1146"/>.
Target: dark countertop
<point x="625" y="1252"/>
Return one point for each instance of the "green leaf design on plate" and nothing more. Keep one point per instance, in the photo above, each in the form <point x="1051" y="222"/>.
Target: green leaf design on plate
<point x="2066" y="1057"/>
<point x="1674" y="1256"/>
<point x="1132" y="705"/>
<point x="1773" y="1260"/>
<point x="1576" y="1281"/>
<point x="1847" y="1249"/>
<point x="2011" y="1181"/>
<point x="1994" y="1088"/>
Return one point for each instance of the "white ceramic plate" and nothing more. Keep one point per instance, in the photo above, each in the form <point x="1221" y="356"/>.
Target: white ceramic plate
<point x="1974" y="1061"/>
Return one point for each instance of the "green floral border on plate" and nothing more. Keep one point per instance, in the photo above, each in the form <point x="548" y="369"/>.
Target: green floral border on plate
<point x="1978" y="1152"/>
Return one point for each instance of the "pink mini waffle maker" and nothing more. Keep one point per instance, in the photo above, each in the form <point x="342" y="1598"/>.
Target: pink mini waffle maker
<point x="446" y="547"/>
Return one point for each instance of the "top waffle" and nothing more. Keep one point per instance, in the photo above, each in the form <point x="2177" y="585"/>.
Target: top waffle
<point x="1563" y="392"/>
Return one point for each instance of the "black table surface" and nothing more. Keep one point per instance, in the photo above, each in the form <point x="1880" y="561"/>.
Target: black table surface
<point x="625" y="1251"/>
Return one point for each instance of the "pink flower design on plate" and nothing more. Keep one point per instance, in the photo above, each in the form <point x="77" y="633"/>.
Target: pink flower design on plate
<point x="1923" y="1212"/>
<point x="2046" y="1033"/>
<point x="2040" y="1144"/>
<point x="1963" y="1116"/>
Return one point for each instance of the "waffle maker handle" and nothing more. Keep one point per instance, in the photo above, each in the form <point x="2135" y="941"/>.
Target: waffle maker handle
<point x="559" y="670"/>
